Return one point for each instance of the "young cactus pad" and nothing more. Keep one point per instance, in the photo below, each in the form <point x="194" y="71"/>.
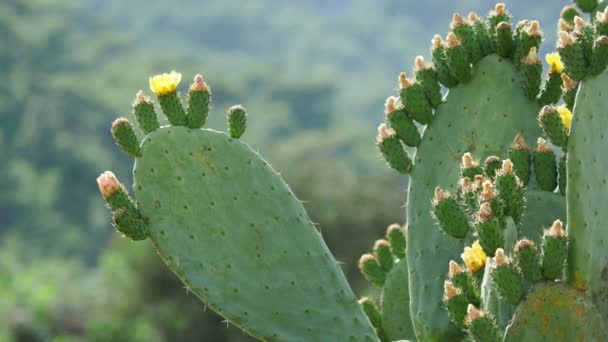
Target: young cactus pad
<point x="231" y="229"/>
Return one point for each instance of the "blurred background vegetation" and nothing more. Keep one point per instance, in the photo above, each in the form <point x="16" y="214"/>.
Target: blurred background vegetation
<point x="313" y="74"/>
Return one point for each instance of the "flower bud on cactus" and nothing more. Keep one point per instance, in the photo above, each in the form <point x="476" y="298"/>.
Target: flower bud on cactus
<point x="130" y="224"/>
<point x="552" y="91"/>
<point x="427" y="77"/>
<point x="237" y="121"/>
<point x="481" y="325"/>
<point x="552" y="123"/>
<point x="555" y="251"/>
<point x="470" y="167"/>
<point x="414" y="100"/>
<point x="125" y="137"/>
<point x="458" y="58"/>
<point x="498" y="15"/>
<point x="114" y="192"/>
<point x="504" y="39"/>
<point x="371" y="269"/>
<point x="463" y="280"/>
<point x="464" y="31"/>
<point x="527" y="259"/>
<point x="392" y="150"/>
<point x="450" y="215"/>
<point x="440" y="60"/>
<point x="573" y="55"/>
<point x="145" y="113"/>
<point x="165" y="88"/>
<point x="199" y="101"/>
<point x="531" y="70"/>
<point x="507" y="278"/>
<point x="489" y="229"/>
<point x="519" y="154"/>
<point x="545" y="167"/>
<point x="395" y="234"/>
<point x="456" y="303"/>
<point x="569" y="88"/>
<point x="510" y="192"/>
<point x="492" y="164"/>
<point x="382" y="251"/>
<point x="401" y="122"/>
<point x="599" y="57"/>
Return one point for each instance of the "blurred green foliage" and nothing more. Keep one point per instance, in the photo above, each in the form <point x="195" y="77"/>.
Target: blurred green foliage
<point x="313" y="75"/>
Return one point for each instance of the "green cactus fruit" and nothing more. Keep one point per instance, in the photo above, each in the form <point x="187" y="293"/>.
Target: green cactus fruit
<point x="414" y="100"/>
<point x="372" y="270"/>
<point x="458" y="58"/>
<point x="395" y="235"/>
<point x="450" y="215"/>
<point x="470" y="167"/>
<point x="174" y="110"/>
<point x="382" y="252"/>
<point x="556" y="312"/>
<point x="585" y="34"/>
<point x="278" y="246"/>
<point x="401" y="122"/>
<point x="526" y="257"/>
<point x="531" y="73"/>
<point x="482" y="326"/>
<point x="552" y="91"/>
<point x="472" y="124"/>
<point x="569" y="88"/>
<point x="427" y="77"/>
<point x="586" y="5"/>
<point x="553" y="127"/>
<point x="599" y="58"/>
<point x="481" y="34"/>
<point x="554" y="251"/>
<point x="529" y="36"/>
<point x="371" y="310"/>
<point x="587" y="216"/>
<point x="114" y="193"/>
<point x="465" y="32"/>
<point x="145" y="113"/>
<point x="601" y="19"/>
<point x="491" y="299"/>
<point x="463" y="280"/>
<point x="504" y="40"/>
<point x="519" y="154"/>
<point x="569" y="12"/>
<point x="491" y="165"/>
<point x="440" y="60"/>
<point x="455" y="302"/>
<point x="199" y="102"/>
<point x="562" y="180"/>
<point x="507" y="278"/>
<point x="125" y="137"/>
<point x="392" y="150"/>
<point x="395" y="297"/>
<point x="498" y="15"/>
<point x="130" y="224"/>
<point x="545" y="167"/>
<point x="572" y="54"/>
<point x="511" y="192"/>
<point x="489" y="230"/>
<point x="237" y="121"/>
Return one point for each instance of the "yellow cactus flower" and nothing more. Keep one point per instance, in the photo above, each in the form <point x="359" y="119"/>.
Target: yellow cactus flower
<point x="474" y="257"/>
<point x="566" y="115"/>
<point x="165" y="83"/>
<point x="555" y="62"/>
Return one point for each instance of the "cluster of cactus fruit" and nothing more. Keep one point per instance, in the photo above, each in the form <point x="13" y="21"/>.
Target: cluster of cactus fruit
<point x="227" y="224"/>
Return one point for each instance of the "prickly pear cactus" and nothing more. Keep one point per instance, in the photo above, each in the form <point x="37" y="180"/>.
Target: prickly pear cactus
<point x="227" y="224"/>
<point x="493" y="74"/>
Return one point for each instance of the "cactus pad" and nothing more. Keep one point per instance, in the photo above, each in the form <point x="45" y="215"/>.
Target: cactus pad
<point x="395" y="315"/>
<point x="227" y="224"/>
<point x="556" y="312"/>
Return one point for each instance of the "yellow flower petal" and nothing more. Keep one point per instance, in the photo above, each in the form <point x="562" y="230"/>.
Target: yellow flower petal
<point x="555" y="62"/>
<point x="164" y="84"/>
<point x="474" y="257"/>
<point x="566" y="115"/>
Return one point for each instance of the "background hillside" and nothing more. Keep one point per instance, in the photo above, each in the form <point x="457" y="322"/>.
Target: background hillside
<point x="313" y="75"/>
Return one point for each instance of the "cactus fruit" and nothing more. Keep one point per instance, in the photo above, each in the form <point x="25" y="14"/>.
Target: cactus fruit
<point x="227" y="224"/>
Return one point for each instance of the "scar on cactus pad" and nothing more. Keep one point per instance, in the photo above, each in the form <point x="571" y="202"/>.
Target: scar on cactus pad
<point x="227" y="224"/>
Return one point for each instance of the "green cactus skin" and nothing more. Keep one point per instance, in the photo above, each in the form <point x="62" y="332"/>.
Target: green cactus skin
<point x="405" y="127"/>
<point x="490" y="235"/>
<point x="394" y="154"/>
<point x="145" y="114"/>
<point x="130" y="224"/>
<point x="491" y="300"/>
<point x="459" y="62"/>
<point x="520" y="156"/>
<point x="485" y="329"/>
<point x="542" y="208"/>
<point x="396" y="318"/>
<point x="382" y="251"/>
<point x="504" y="39"/>
<point x="552" y="126"/>
<point x="457" y="309"/>
<point x="416" y="104"/>
<point x="599" y="58"/>
<point x="125" y="137"/>
<point x="574" y="60"/>
<point x="512" y="196"/>
<point x="556" y="312"/>
<point x="545" y="169"/>
<point x="198" y="107"/>
<point x="491" y="165"/>
<point x="552" y="91"/>
<point x="428" y="80"/>
<point x="444" y="73"/>
<point x="509" y="283"/>
<point x="569" y="12"/>
<point x="173" y="109"/>
<point x="586" y="6"/>
<point x="562" y="179"/>
<point x="237" y="121"/>
<point x="372" y="270"/>
<point x="371" y="310"/>
<point x="555" y="251"/>
<point x="531" y="74"/>
<point x="467" y="36"/>
<point x="587" y="186"/>
<point x="452" y="218"/>
<point x="464" y="281"/>
<point x="226" y="223"/>
<point x="475" y="117"/>
<point x="395" y="235"/>
<point x="526" y="257"/>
